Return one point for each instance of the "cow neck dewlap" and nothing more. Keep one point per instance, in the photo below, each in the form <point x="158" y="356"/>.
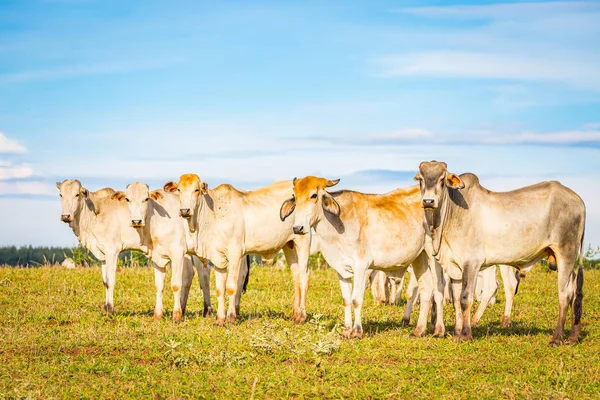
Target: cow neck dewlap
<point x="437" y="221"/>
<point x="205" y="228"/>
<point x="83" y="226"/>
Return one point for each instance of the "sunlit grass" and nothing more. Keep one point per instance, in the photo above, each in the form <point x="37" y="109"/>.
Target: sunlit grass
<point x="56" y="343"/>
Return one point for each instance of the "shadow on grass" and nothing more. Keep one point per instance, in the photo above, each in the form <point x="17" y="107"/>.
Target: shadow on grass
<point x="516" y="328"/>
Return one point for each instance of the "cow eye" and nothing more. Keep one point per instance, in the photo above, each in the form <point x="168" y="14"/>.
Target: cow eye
<point x="77" y="195"/>
<point x="126" y="199"/>
<point x="60" y="196"/>
<point x="313" y="196"/>
<point x="147" y="198"/>
<point x="197" y="190"/>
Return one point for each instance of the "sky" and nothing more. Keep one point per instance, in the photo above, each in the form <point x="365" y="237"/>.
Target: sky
<point x="247" y="93"/>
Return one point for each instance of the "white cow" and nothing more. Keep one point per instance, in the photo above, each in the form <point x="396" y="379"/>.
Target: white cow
<point x="228" y="223"/>
<point x="102" y="225"/>
<point x="361" y="231"/>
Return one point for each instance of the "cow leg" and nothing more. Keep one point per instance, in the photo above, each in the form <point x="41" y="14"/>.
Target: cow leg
<point x="188" y="278"/>
<point x="466" y="298"/>
<point x="204" y="277"/>
<point x="566" y="289"/>
<point x="511" y="281"/>
<point x="396" y="290"/>
<point x="455" y="289"/>
<point x="358" y="297"/>
<point x="220" y="280"/>
<point x="439" y="329"/>
<point x="177" y="283"/>
<point x="412" y="292"/>
<point x="378" y="291"/>
<point x="489" y="288"/>
<point x="110" y="280"/>
<point x="447" y="289"/>
<point x="346" y="286"/>
<point x="423" y="275"/>
<point x="159" y="283"/>
<point x="244" y="270"/>
<point x="297" y="259"/>
<point x="233" y="275"/>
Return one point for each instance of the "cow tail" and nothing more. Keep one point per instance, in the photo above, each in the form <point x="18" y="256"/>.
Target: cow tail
<point x="577" y="304"/>
<point x="247" y="274"/>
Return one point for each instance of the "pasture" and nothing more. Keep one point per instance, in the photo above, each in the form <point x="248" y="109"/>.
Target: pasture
<point x="56" y="343"/>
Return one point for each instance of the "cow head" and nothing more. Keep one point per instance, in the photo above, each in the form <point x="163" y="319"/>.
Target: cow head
<point x="190" y="189"/>
<point x="137" y="196"/>
<point x="72" y="198"/>
<point x="310" y="201"/>
<point x="434" y="178"/>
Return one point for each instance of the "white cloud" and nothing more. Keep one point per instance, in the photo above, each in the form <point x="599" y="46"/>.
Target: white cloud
<point x="548" y="42"/>
<point x="27" y="188"/>
<point x="556" y="138"/>
<point x="10" y="146"/>
<point x="500" y="10"/>
<point x="10" y="171"/>
<point x="493" y="65"/>
<point x="83" y="70"/>
<point x="409" y="133"/>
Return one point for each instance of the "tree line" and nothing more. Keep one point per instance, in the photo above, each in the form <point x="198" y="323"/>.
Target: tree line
<point x="29" y="256"/>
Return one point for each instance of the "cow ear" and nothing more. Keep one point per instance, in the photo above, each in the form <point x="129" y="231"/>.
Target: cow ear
<point x="84" y="192"/>
<point x="58" y="185"/>
<point x="156" y="194"/>
<point x="170" y="187"/>
<point x="119" y="196"/>
<point x="204" y="187"/>
<point x="287" y="208"/>
<point x="454" y="182"/>
<point x="417" y="176"/>
<point x="294" y="181"/>
<point x="330" y="205"/>
<point x="332" y="183"/>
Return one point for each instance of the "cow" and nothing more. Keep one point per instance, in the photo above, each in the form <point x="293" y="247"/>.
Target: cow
<point x="155" y="215"/>
<point x="473" y="228"/>
<point x="228" y="223"/>
<point x="361" y="231"/>
<point x="102" y="225"/>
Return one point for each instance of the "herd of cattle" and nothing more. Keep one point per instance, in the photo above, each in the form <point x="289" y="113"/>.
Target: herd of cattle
<point x="448" y="229"/>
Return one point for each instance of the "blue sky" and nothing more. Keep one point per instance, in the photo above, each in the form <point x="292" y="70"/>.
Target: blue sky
<point x="247" y="93"/>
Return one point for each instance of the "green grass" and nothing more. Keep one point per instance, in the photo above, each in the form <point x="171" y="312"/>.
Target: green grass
<point x="56" y="343"/>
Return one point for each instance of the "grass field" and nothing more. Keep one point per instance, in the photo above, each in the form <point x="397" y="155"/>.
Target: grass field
<point x="56" y="343"/>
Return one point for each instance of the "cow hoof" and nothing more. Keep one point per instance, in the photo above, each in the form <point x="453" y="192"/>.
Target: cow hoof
<point x="405" y="322"/>
<point x="572" y="340"/>
<point x="157" y="317"/>
<point x="439" y="334"/>
<point x="220" y="322"/>
<point x="108" y="308"/>
<point x="416" y="334"/>
<point x="177" y="316"/>
<point x="299" y="317"/>
<point x="347" y="333"/>
<point x="555" y="343"/>
<point x="465" y="338"/>
<point x="357" y="334"/>
<point x="207" y="311"/>
<point x="505" y="322"/>
<point x="230" y="319"/>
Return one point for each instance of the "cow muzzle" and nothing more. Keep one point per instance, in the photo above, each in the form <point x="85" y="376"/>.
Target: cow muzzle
<point x="299" y="229"/>
<point x="429" y="203"/>
<point x="185" y="213"/>
<point x="66" y="218"/>
<point x="137" y="223"/>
